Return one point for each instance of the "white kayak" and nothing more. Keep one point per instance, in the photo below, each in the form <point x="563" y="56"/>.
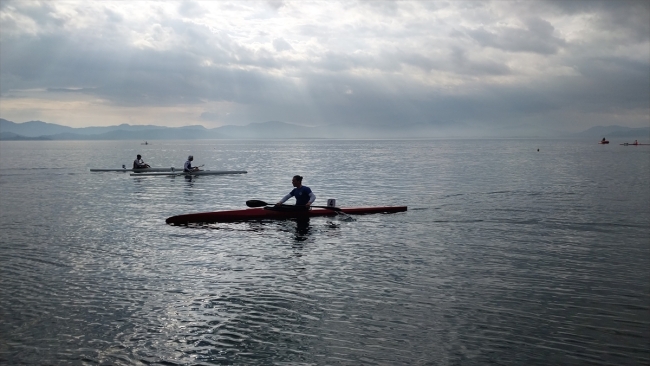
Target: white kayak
<point x="200" y="172"/>
<point x="135" y="170"/>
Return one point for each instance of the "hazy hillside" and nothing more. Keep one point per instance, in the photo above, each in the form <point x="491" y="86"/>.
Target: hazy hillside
<point x="157" y="134"/>
<point x="123" y="131"/>
<point x="43" y="130"/>
<point x="14" y="136"/>
<point x="281" y="130"/>
<point x="33" y="128"/>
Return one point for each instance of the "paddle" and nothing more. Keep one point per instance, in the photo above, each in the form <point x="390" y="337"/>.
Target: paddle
<point x="258" y="203"/>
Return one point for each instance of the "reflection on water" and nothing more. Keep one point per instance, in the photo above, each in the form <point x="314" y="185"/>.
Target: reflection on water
<point x="507" y="255"/>
<point x="302" y="229"/>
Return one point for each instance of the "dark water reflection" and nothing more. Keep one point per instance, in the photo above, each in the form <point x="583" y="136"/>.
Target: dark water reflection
<point x="507" y="255"/>
<point x="302" y="229"/>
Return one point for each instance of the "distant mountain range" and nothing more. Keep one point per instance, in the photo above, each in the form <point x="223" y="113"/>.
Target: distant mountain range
<point x="38" y="130"/>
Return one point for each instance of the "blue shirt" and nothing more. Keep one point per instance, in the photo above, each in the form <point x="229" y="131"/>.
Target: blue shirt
<point x="301" y="194"/>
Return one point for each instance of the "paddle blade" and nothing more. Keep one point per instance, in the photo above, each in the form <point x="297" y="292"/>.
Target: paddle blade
<point x="256" y="203"/>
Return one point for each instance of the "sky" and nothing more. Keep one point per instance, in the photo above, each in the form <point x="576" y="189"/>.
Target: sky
<point x="475" y="66"/>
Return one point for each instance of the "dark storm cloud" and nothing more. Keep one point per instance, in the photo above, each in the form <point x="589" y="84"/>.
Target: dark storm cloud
<point x="130" y="76"/>
<point x="485" y="63"/>
<point x="537" y="37"/>
<point x="627" y="18"/>
<point x="460" y="64"/>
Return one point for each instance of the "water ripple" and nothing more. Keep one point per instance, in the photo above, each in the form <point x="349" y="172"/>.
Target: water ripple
<point x="506" y="256"/>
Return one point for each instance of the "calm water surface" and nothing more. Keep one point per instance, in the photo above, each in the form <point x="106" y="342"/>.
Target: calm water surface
<point x="507" y="255"/>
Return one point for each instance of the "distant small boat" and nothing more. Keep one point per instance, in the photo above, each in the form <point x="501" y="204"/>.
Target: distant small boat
<point x="145" y="143"/>
<point x="603" y="141"/>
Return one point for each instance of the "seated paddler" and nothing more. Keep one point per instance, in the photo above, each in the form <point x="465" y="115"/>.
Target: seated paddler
<point x="138" y="163"/>
<point x="188" y="168"/>
<point x="303" y="194"/>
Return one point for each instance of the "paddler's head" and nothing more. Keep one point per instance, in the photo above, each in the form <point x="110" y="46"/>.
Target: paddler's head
<point x="296" y="181"/>
<point x="190" y="158"/>
<point x="139" y="156"/>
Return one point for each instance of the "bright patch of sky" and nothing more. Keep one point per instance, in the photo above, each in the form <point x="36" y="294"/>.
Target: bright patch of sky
<point x="541" y="66"/>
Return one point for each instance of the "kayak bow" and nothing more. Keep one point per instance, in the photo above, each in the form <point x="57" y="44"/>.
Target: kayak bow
<point x="266" y="214"/>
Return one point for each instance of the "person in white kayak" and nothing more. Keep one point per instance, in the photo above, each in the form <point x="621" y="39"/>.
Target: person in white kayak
<point x="188" y="165"/>
<point x="138" y="163"/>
<point x="304" y="195"/>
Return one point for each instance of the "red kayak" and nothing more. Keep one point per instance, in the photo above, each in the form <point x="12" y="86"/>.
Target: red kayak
<point x="267" y="214"/>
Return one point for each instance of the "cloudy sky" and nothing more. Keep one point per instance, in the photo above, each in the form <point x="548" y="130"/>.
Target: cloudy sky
<point x="477" y="65"/>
